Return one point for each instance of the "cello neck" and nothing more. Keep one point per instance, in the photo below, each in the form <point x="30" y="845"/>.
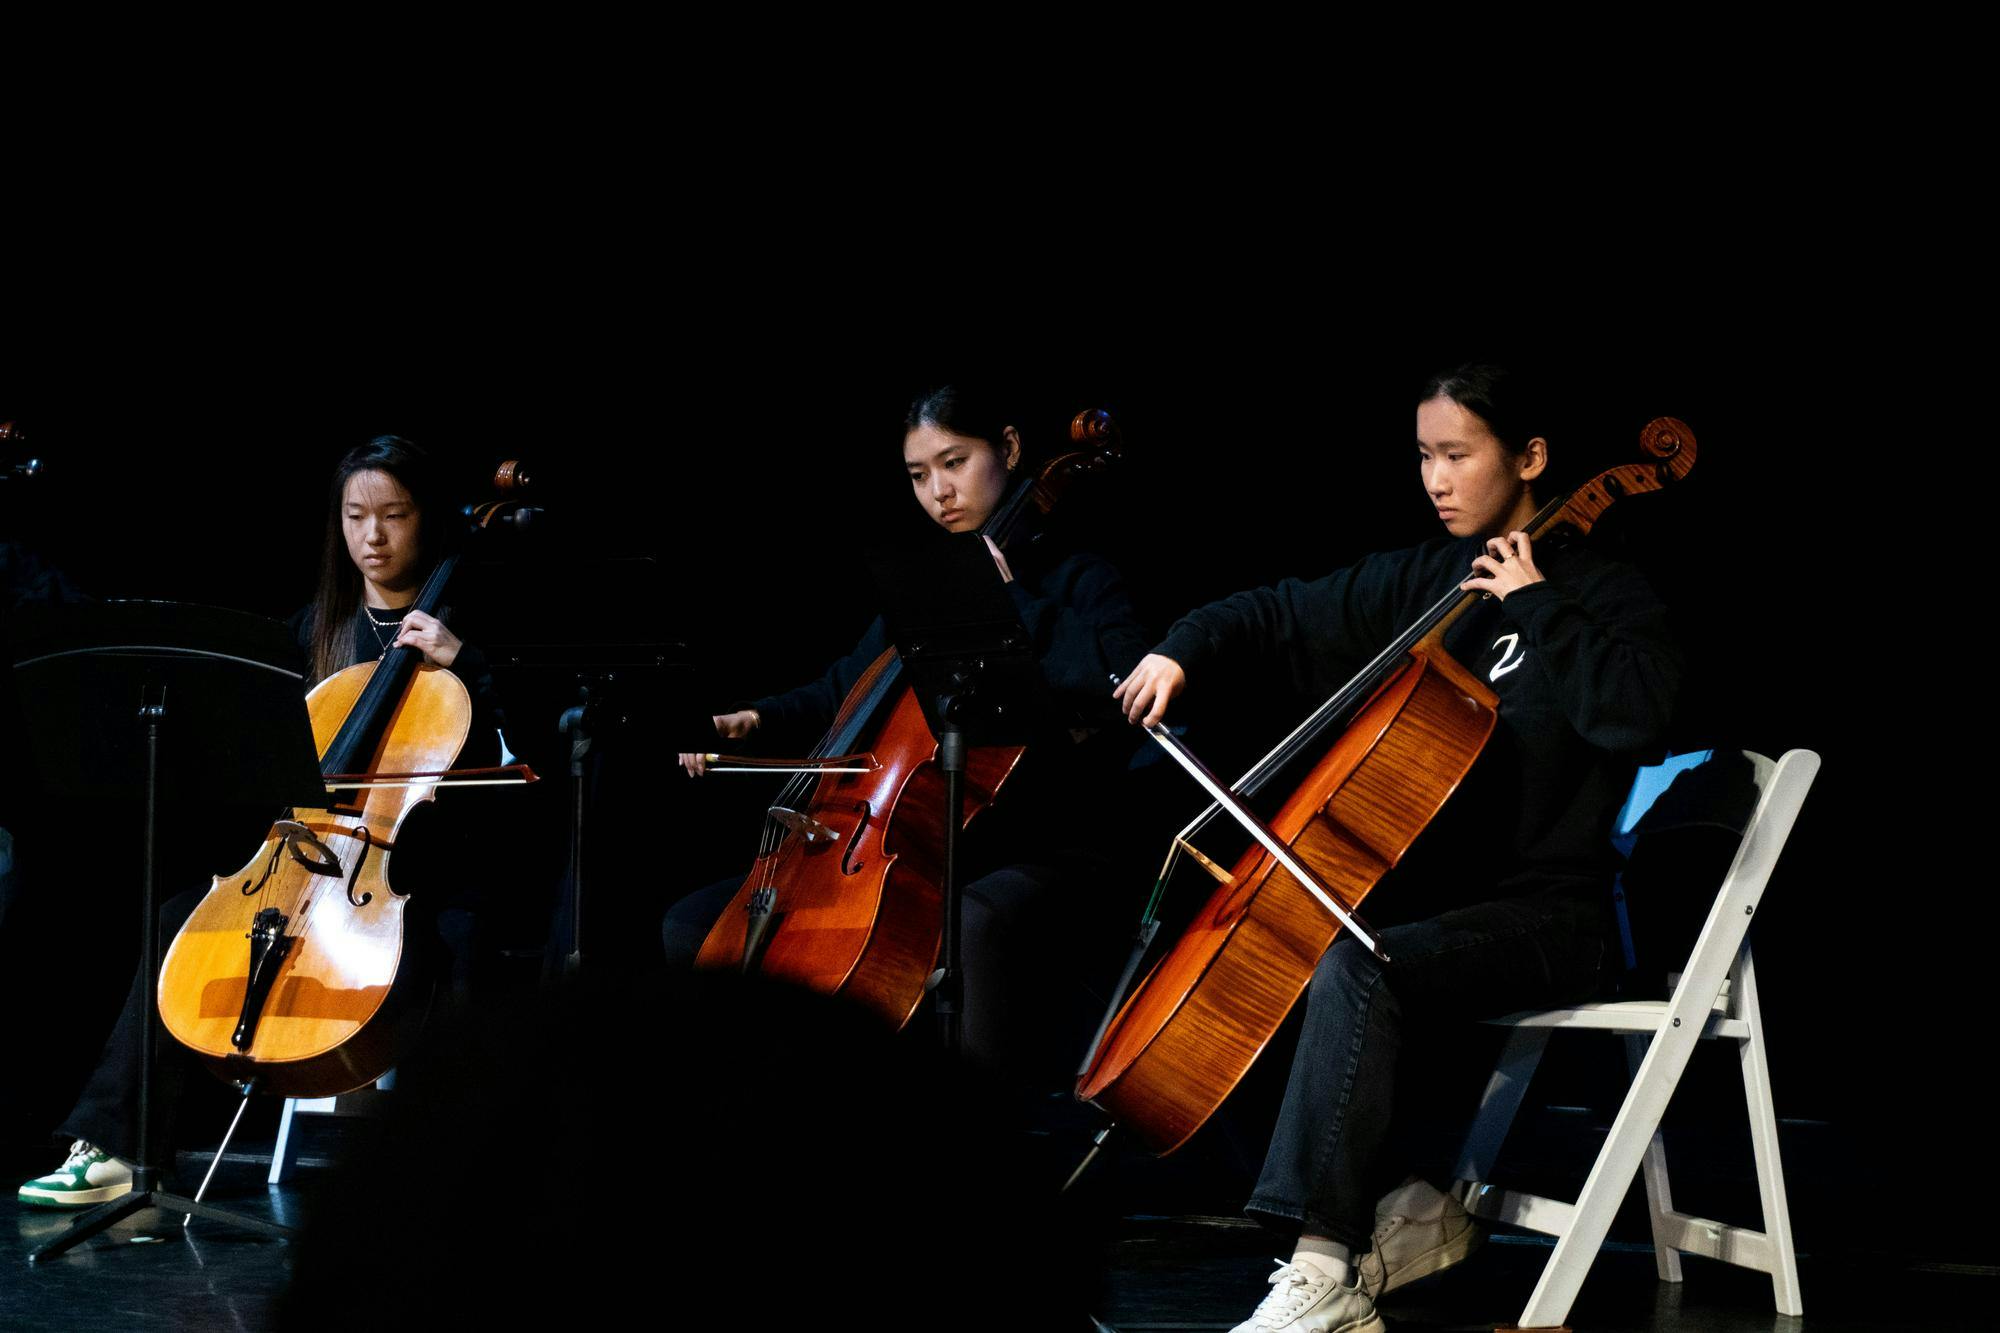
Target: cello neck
<point x="1098" y="445"/>
<point x="355" y="744"/>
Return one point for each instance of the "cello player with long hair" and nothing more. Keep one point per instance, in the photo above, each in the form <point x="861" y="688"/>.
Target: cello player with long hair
<point x="1505" y="900"/>
<point x="383" y="535"/>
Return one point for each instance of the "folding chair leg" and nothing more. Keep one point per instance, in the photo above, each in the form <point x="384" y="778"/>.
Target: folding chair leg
<point x="1497" y="1106"/>
<point x="1632" y="1132"/>
<point x="1659" y="1195"/>
<point x="1764" y="1142"/>
<point x="282" y="1152"/>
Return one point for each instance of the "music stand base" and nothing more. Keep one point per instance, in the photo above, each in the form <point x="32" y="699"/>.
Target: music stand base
<point x="107" y="1215"/>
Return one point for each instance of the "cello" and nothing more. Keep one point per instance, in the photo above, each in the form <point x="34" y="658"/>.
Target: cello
<point x="844" y="894"/>
<point x="1393" y="744"/>
<point x="281" y="974"/>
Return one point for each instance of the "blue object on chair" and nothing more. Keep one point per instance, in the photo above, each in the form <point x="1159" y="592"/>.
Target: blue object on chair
<point x="1648" y="786"/>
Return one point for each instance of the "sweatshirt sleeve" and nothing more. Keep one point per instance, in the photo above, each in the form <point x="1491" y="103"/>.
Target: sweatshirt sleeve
<point x="1084" y="628"/>
<point x="799" y="717"/>
<point x="1603" y="639"/>
<point x="1316" y="632"/>
<point x="489" y="713"/>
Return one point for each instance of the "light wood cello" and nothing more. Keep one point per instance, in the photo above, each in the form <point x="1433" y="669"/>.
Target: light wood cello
<point x="1394" y="743"/>
<point x="282" y="974"/>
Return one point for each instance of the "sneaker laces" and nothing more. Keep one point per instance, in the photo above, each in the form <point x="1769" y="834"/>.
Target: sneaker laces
<point x="82" y="1153"/>
<point x="1293" y="1288"/>
<point x="1386" y="1225"/>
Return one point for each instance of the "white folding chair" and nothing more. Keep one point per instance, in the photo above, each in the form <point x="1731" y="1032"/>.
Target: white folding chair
<point x="285" y="1152"/>
<point x="1714" y="997"/>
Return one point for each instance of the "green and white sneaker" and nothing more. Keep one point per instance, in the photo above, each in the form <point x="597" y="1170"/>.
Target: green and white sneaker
<point x="91" y="1175"/>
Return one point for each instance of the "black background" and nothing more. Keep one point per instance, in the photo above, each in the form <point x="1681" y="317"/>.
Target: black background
<point x="734" y="416"/>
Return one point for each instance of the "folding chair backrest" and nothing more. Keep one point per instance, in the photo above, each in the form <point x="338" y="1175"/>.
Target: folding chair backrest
<point x="1780" y="790"/>
<point x="1704" y="799"/>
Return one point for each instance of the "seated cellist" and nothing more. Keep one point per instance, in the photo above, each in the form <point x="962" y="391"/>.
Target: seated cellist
<point x="384" y="530"/>
<point x="1040" y="853"/>
<point x="1503" y="904"/>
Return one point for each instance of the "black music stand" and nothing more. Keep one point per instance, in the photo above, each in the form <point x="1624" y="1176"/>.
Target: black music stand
<point x="645" y="687"/>
<point x="603" y="683"/>
<point x="973" y="667"/>
<point x="100" y="684"/>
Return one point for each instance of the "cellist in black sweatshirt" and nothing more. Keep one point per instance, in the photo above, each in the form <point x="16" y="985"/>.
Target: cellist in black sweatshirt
<point x="1505" y="897"/>
<point x="1041" y="851"/>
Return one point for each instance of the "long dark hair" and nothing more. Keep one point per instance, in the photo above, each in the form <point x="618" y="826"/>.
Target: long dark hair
<point x="338" y="600"/>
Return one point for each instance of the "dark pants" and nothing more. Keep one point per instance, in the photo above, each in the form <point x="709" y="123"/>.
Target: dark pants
<point x="688" y="921"/>
<point x="1025" y="960"/>
<point x="1329" y="1158"/>
<point x="107" y="1114"/>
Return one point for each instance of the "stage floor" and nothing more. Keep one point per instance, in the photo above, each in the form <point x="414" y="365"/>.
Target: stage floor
<point x="1158" y="1274"/>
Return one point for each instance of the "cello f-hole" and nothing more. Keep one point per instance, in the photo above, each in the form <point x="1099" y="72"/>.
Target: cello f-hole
<point x="366" y="841"/>
<point x="848" y="865"/>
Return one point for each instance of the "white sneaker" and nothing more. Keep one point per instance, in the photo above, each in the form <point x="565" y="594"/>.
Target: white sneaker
<point x="1304" y="1299"/>
<point x="1406" y="1248"/>
<point x="90" y="1175"/>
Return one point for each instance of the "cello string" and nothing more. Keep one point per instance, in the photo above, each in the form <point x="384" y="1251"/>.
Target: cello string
<point x="298" y="902"/>
<point x="271" y="865"/>
<point x="343" y="845"/>
<point x="1328" y="714"/>
<point x="767" y="846"/>
<point x="1332" y="712"/>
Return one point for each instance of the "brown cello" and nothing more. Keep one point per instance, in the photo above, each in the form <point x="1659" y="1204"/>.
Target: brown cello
<point x="844" y="895"/>
<point x="1395" y="742"/>
<point x="282" y="972"/>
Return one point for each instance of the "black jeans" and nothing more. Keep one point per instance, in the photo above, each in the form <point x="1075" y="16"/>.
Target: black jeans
<point x="1328" y="1160"/>
<point x="107" y="1112"/>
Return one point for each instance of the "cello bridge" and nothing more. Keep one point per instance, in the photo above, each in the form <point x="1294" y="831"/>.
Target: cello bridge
<point x="805" y="826"/>
<point x="1201" y="859"/>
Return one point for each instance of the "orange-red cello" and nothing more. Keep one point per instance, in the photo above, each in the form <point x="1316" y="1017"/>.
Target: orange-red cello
<point x="844" y="894"/>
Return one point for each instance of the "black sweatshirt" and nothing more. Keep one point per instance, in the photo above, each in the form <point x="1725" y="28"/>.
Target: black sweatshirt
<point x="1084" y="630"/>
<point x="1583" y="665"/>
<point x="1065" y="800"/>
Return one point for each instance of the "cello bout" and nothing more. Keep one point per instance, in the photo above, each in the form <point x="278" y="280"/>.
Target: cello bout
<point x="283" y="970"/>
